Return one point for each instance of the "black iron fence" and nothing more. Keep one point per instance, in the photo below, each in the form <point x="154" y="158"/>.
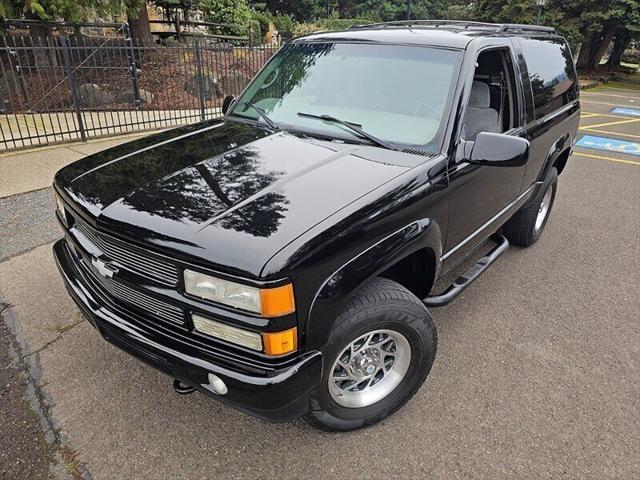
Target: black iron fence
<point x="72" y="86"/>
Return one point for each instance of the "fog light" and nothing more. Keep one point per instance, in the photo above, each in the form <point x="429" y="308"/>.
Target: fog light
<point x="217" y="385"/>
<point x="226" y="332"/>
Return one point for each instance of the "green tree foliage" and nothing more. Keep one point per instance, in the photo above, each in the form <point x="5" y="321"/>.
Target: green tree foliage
<point x="592" y="24"/>
<point x="234" y="13"/>
<point x="72" y="10"/>
<point x="300" y="10"/>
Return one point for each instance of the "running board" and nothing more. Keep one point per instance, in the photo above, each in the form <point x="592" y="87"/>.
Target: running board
<point x="464" y="280"/>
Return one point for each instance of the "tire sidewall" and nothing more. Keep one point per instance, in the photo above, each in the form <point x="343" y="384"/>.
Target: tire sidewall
<point x="412" y="321"/>
<point x="550" y="181"/>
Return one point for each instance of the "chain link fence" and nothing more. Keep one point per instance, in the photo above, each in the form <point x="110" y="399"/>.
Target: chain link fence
<point x="89" y="80"/>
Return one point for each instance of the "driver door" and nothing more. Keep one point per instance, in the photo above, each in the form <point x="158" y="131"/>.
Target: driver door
<point x="479" y="193"/>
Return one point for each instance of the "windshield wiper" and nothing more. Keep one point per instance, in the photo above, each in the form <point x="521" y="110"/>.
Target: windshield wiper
<point x="356" y="127"/>
<point x="262" y="113"/>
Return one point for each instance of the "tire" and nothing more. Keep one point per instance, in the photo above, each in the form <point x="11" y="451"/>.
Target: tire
<point x="526" y="226"/>
<point x="390" y="318"/>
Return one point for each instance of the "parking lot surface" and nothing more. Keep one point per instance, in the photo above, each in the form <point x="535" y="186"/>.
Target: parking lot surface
<point x="537" y="373"/>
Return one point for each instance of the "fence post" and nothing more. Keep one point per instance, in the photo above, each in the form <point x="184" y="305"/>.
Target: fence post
<point x="133" y="68"/>
<point x="200" y="79"/>
<point x="72" y="85"/>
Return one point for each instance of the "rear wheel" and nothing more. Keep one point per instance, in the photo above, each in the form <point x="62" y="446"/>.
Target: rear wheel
<point x="378" y="355"/>
<point x="526" y="226"/>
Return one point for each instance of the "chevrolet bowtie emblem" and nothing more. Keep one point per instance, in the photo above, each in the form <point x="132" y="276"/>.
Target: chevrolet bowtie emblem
<point x="106" y="269"/>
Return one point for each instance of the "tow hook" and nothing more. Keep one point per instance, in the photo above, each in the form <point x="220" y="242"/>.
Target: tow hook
<point x="182" y="389"/>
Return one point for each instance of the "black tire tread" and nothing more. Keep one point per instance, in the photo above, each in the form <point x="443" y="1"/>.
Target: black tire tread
<point x="519" y="229"/>
<point x="370" y="296"/>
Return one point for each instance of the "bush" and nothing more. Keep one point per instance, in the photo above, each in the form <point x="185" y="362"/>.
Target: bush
<point x="283" y="23"/>
<point x="263" y="19"/>
<point x="631" y="55"/>
<point x="255" y="32"/>
<point x="235" y="14"/>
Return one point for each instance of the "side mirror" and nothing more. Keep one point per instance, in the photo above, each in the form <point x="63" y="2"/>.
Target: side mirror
<point x="499" y="150"/>
<point x="226" y="103"/>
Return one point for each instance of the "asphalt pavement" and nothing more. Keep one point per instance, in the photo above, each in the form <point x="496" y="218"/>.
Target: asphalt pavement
<point x="537" y="373"/>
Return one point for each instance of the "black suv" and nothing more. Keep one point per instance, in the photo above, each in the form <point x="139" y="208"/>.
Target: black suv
<point x="282" y="258"/>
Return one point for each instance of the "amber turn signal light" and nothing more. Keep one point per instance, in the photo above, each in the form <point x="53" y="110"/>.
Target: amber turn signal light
<point x="279" y="343"/>
<point x="276" y="302"/>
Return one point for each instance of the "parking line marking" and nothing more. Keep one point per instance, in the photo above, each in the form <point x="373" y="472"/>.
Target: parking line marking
<point x="618" y="122"/>
<point x="587" y="129"/>
<point x="607" y="94"/>
<point x="588" y="115"/>
<point x="610" y="159"/>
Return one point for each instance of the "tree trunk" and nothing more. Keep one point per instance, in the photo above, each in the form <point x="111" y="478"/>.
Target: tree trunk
<point x="605" y="41"/>
<point x="139" y="27"/>
<point x="620" y="44"/>
<point x="585" y="48"/>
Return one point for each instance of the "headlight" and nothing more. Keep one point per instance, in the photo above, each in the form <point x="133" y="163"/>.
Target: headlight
<point x="267" y="302"/>
<point x="60" y="207"/>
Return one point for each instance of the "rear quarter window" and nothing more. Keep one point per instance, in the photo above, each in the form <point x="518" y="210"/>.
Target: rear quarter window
<point x="551" y="72"/>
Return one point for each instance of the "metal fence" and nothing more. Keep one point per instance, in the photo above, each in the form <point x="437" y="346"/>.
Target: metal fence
<point x="78" y="86"/>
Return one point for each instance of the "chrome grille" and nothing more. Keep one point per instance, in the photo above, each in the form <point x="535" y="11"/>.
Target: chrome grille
<point x="141" y="301"/>
<point x="129" y="257"/>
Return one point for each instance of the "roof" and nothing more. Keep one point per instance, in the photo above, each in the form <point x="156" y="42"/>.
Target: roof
<point x="443" y="33"/>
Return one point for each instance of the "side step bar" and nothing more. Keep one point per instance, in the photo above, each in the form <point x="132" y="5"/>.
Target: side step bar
<point x="464" y="280"/>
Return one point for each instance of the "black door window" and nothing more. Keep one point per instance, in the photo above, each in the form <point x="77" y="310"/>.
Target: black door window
<point x="493" y="105"/>
<point x="551" y="72"/>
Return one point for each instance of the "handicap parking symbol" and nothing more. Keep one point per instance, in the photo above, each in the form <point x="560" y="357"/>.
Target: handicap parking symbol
<point x="634" y="112"/>
<point x="609" y="144"/>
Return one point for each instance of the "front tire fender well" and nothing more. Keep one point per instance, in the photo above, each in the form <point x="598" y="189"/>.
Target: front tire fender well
<point x="377" y="258"/>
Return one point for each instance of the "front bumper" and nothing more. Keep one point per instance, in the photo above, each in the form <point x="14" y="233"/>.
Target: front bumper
<point x="274" y="395"/>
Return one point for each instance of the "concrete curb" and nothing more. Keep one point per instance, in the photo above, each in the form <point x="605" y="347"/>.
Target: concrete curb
<point x="65" y="467"/>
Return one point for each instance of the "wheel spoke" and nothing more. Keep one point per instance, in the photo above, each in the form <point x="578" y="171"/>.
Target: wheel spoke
<point x="382" y="351"/>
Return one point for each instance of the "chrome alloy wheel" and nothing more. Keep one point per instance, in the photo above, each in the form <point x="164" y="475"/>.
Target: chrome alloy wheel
<point x="543" y="211"/>
<point x="369" y="368"/>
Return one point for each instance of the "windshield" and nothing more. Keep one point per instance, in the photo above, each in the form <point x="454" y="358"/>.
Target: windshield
<point x="396" y="93"/>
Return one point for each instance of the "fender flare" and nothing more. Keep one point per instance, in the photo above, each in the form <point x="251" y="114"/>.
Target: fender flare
<point x="335" y="290"/>
<point x="557" y="148"/>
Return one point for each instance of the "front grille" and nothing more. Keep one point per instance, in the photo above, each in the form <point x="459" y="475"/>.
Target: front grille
<point x="128" y="256"/>
<point x="142" y="302"/>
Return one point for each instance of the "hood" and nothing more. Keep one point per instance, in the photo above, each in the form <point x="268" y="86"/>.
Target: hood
<point x="225" y="193"/>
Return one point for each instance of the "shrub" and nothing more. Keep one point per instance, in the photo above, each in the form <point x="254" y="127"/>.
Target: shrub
<point x="235" y="14"/>
<point x="631" y="55"/>
<point x="283" y="23"/>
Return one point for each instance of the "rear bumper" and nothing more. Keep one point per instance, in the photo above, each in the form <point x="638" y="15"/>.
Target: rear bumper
<point x="274" y="395"/>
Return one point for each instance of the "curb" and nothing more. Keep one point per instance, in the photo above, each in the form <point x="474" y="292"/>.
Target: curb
<point x="64" y="465"/>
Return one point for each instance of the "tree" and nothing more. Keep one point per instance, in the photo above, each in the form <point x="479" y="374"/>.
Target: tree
<point x="79" y="10"/>
<point x="300" y="10"/>
<point x="138" y="19"/>
<point x="234" y="13"/>
<point x="592" y="24"/>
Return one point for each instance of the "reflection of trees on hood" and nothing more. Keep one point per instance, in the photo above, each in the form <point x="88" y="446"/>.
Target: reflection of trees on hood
<point x="116" y="180"/>
<point x="207" y="190"/>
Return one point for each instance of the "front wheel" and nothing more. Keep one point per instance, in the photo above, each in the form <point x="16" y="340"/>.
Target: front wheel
<point x="378" y="355"/>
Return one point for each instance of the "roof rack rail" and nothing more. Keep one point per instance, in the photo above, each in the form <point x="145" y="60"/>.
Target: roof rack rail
<point x="505" y="27"/>
<point x="434" y="23"/>
<point x="467" y="25"/>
